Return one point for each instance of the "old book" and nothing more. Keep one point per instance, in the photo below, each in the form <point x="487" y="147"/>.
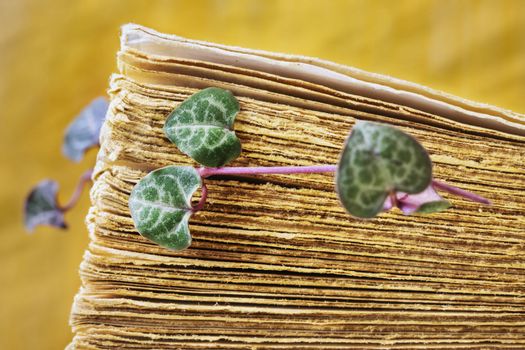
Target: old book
<point x="275" y="261"/>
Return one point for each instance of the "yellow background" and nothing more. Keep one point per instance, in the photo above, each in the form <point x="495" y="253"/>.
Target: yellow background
<point x="55" y="56"/>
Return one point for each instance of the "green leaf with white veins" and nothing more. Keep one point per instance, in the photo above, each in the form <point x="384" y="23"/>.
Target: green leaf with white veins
<point x="378" y="160"/>
<point x="160" y="205"/>
<point x="201" y="127"/>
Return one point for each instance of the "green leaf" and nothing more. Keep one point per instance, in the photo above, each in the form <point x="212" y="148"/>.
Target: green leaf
<point x="160" y="205"/>
<point x="433" y="207"/>
<point x="41" y="207"/>
<point x="83" y="133"/>
<point x="377" y="160"/>
<point x="201" y="127"/>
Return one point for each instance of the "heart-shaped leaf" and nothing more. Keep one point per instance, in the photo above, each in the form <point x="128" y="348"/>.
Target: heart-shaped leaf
<point x="41" y="207"/>
<point x="160" y="205"/>
<point x="201" y="127"/>
<point x="83" y="133"/>
<point x="377" y="160"/>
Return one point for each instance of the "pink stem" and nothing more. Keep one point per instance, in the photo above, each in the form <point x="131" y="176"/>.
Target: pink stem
<point x="460" y="192"/>
<point x="207" y="172"/>
<point x="85" y="178"/>
<point x="202" y="201"/>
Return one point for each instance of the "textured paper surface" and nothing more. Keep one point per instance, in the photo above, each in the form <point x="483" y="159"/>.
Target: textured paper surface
<point x="275" y="262"/>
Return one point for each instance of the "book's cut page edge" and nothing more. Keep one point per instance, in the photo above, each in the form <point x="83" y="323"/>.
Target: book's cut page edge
<point x="288" y="265"/>
<point x="324" y="73"/>
<point x="275" y="262"/>
<point x="175" y="71"/>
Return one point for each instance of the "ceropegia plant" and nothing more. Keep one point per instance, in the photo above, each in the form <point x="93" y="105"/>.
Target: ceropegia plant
<point x="41" y="206"/>
<point x="380" y="167"/>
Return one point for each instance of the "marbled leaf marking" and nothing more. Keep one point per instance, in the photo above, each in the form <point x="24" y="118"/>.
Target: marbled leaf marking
<point x="377" y="160"/>
<point x="201" y="127"/>
<point x="160" y="205"/>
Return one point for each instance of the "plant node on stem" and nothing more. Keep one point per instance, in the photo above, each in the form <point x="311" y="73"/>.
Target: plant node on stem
<point x="202" y="200"/>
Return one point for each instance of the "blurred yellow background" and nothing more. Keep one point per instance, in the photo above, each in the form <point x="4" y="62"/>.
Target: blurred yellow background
<point x="55" y="56"/>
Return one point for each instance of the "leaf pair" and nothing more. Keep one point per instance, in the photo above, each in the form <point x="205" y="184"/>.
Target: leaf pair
<point x="201" y="127"/>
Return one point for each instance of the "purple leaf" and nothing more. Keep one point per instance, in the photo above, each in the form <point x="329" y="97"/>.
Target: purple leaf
<point x="41" y="207"/>
<point x="428" y="201"/>
<point x="83" y="133"/>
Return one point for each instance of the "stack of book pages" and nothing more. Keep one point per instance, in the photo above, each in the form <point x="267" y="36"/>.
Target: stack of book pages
<point x="275" y="261"/>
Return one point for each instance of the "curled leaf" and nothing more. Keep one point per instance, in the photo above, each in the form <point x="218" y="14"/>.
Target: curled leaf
<point x="378" y="160"/>
<point x="83" y="133"/>
<point x="201" y="127"/>
<point x="433" y="207"/>
<point x="41" y="207"/>
<point x="160" y="205"/>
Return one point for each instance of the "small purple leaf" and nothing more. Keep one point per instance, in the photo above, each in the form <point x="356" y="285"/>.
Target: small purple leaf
<point x="426" y="202"/>
<point x="388" y="204"/>
<point x="83" y="133"/>
<point x="41" y="207"/>
<point x="409" y="203"/>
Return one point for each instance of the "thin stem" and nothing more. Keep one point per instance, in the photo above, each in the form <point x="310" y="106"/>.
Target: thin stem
<point x="202" y="201"/>
<point x="460" y="192"/>
<point x="207" y="172"/>
<point x="85" y="178"/>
